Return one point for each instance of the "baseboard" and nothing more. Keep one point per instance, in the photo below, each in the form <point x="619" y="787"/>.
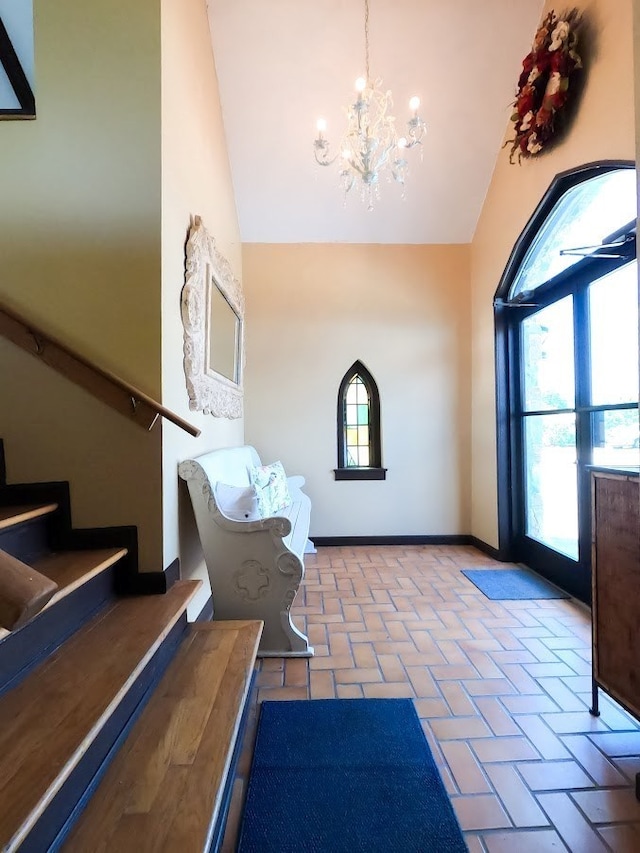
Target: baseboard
<point x="454" y="539"/>
<point x="324" y="541"/>
<point x="152" y="583"/>
<point x="496" y="553"/>
<point x="206" y="614"/>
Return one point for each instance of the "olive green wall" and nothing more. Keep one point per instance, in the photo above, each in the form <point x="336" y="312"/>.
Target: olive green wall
<point x="80" y="255"/>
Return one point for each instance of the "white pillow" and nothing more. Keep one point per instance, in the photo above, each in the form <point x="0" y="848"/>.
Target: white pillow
<point x="239" y="503"/>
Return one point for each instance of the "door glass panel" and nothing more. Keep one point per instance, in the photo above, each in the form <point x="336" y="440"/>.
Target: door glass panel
<point x="551" y="482"/>
<point x="584" y="216"/>
<point x="613" y="309"/>
<point x="616" y="437"/>
<point x="547" y="358"/>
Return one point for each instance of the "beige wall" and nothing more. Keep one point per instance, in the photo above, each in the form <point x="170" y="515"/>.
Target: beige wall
<point x="196" y="179"/>
<point x="604" y="129"/>
<point x="80" y="254"/>
<point x="312" y="310"/>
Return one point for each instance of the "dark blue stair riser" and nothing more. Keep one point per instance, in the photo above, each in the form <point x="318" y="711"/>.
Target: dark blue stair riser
<point x="217" y="832"/>
<point x="27" y="541"/>
<point x="22" y="650"/>
<point x="51" y="830"/>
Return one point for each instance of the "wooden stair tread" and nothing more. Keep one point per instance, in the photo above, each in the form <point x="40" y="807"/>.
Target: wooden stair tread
<point x="70" y="569"/>
<point x="165" y="785"/>
<point x="11" y="515"/>
<point x="49" y="720"/>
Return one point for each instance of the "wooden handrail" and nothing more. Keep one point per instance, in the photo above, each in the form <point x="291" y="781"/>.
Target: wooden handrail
<point x="103" y="384"/>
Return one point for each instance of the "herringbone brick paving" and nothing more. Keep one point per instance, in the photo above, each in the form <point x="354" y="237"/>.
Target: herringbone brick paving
<point x="502" y="689"/>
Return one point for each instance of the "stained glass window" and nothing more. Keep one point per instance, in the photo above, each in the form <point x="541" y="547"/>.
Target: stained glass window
<point x="357" y="432"/>
<point x="359" y="448"/>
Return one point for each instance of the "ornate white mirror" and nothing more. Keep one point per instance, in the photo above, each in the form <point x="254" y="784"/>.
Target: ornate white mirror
<point x="223" y="337"/>
<point x="212" y="315"/>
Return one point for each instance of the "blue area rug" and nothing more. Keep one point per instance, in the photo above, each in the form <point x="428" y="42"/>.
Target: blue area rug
<point x="512" y="584"/>
<point x="345" y="776"/>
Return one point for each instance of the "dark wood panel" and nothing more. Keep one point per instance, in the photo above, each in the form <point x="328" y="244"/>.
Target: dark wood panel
<point x="616" y="587"/>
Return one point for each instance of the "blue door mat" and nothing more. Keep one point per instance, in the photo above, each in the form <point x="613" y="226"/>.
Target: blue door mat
<point x="513" y="584"/>
<point x="345" y="776"/>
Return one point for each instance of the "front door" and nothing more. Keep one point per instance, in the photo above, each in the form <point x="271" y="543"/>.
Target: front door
<point x="572" y="387"/>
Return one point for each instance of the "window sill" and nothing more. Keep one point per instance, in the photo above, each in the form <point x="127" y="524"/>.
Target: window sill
<point x="360" y="473"/>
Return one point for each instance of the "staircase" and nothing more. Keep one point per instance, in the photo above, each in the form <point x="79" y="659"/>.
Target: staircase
<point x="119" y="721"/>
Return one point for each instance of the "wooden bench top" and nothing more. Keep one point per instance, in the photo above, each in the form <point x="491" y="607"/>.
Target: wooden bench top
<point x="163" y="791"/>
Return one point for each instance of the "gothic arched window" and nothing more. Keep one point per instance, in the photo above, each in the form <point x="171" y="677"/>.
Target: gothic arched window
<point x="359" y="446"/>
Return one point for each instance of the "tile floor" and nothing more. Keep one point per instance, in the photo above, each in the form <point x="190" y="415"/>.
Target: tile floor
<point x="502" y="689"/>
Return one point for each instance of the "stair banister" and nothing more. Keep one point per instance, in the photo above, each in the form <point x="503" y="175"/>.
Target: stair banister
<point x="102" y="383"/>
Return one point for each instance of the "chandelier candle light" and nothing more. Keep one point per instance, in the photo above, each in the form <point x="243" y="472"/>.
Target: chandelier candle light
<point x="370" y="145"/>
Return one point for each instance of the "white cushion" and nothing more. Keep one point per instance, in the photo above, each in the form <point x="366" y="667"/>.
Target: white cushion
<point x="239" y="503"/>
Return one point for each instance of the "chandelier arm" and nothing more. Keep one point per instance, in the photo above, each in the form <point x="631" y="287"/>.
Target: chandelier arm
<point x="325" y="161"/>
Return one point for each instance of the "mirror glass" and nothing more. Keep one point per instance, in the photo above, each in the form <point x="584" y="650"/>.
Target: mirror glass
<point x="223" y="347"/>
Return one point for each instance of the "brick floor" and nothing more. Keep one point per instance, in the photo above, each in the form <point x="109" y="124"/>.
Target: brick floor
<point x="502" y="690"/>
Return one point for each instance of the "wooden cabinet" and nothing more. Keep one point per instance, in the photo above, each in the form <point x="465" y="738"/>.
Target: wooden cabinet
<point x="616" y="588"/>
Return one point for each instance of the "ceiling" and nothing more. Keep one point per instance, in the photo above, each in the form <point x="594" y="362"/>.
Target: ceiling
<point x="283" y="63"/>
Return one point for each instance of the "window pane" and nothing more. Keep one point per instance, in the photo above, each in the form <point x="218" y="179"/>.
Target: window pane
<point x="551" y="487"/>
<point x="613" y="308"/>
<point x="357" y="417"/>
<point x="616" y="437"/>
<point x="547" y="358"/>
<point x="362" y="396"/>
<point x="584" y="216"/>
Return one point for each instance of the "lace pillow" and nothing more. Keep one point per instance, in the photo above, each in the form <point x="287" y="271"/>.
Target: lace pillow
<point x="270" y="483"/>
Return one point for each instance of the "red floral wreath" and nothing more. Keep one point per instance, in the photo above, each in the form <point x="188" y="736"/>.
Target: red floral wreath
<point x="543" y="87"/>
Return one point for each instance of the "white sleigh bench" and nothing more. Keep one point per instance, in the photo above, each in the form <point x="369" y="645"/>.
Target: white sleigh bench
<point x="255" y="565"/>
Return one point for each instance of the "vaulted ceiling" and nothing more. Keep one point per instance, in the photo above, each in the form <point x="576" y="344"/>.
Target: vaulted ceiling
<point x="283" y="63"/>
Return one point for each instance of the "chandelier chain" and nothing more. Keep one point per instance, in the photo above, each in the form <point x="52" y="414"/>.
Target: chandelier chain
<point x="366" y="38"/>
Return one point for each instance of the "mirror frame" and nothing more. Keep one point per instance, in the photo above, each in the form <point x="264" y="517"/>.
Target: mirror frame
<point x="209" y="391"/>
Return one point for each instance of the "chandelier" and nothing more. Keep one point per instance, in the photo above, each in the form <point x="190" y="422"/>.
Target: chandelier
<point x="370" y="146"/>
